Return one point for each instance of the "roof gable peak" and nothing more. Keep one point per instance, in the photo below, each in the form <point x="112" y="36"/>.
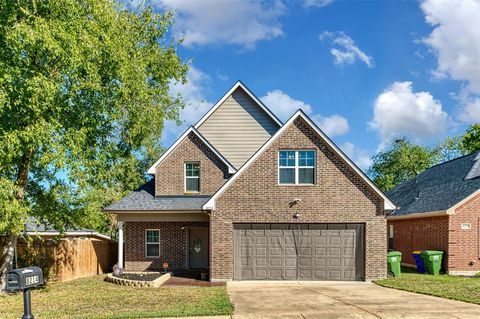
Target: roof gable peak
<point x="242" y="86"/>
<point x="193" y="130"/>
<point x="388" y="204"/>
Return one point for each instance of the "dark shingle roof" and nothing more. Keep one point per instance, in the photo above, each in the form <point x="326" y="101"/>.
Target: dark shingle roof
<point x="144" y="198"/>
<point x="439" y="187"/>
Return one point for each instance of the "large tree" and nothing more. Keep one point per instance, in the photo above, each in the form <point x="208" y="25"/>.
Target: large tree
<point x="84" y="93"/>
<point x="401" y="161"/>
<point x="470" y="141"/>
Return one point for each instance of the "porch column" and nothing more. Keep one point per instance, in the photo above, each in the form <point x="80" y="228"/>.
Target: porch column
<point x="120" y="244"/>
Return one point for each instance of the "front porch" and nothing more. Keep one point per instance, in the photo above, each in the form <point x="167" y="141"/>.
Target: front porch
<point x="174" y="242"/>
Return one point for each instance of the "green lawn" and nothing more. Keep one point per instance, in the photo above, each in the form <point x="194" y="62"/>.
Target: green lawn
<point x="94" y="298"/>
<point x="446" y="286"/>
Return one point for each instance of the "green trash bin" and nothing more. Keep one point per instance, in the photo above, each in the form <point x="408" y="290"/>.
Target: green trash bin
<point x="432" y="260"/>
<point x="393" y="261"/>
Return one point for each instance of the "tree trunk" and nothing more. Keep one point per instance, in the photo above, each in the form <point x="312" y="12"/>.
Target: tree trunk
<point x="6" y="260"/>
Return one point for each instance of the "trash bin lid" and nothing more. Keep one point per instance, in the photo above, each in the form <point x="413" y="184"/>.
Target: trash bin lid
<point x="394" y="254"/>
<point x="417" y="252"/>
<point x="432" y="252"/>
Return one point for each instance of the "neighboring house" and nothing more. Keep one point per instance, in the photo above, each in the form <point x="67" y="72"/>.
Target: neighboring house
<point x="244" y="196"/>
<point x="41" y="231"/>
<point x="439" y="209"/>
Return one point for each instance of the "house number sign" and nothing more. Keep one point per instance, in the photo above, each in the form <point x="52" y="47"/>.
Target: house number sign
<point x="32" y="280"/>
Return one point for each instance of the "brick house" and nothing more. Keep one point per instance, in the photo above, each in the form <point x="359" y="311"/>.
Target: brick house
<point x="245" y="196"/>
<point x="439" y="209"/>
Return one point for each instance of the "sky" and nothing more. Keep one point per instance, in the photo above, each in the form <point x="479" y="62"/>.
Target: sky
<point x="365" y="71"/>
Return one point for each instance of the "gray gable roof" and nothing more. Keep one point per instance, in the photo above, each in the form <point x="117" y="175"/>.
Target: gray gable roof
<point x="143" y="198"/>
<point x="33" y="226"/>
<point x="439" y="187"/>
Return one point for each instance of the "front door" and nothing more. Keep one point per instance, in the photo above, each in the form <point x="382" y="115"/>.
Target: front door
<point x="198" y="248"/>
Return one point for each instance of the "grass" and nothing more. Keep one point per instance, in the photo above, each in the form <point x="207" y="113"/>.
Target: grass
<point x="93" y="298"/>
<point x="446" y="286"/>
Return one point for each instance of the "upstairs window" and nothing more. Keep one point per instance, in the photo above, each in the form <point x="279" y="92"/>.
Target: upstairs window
<point x="296" y="167"/>
<point x="192" y="177"/>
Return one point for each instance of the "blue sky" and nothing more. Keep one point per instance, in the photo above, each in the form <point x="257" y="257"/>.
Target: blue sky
<point x="365" y="71"/>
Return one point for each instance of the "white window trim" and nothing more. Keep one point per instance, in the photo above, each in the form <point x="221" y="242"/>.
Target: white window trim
<point x="390" y="231"/>
<point x="191" y="177"/>
<point x="147" y="243"/>
<point x="297" y="167"/>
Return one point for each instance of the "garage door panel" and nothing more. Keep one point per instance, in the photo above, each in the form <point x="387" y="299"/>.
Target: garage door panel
<point x="291" y="262"/>
<point x="275" y="251"/>
<point x="245" y="240"/>
<point x="247" y="251"/>
<point x="334" y="274"/>
<point x="319" y="262"/>
<point x="299" y="251"/>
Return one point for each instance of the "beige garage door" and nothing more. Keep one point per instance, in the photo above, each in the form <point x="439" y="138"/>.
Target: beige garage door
<point x="298" y="251"/>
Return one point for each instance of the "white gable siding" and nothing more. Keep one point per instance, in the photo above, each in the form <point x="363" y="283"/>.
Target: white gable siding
<point x="238" y="128"/>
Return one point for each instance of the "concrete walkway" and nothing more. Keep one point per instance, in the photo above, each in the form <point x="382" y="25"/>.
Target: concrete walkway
<point x="328" y="300"/>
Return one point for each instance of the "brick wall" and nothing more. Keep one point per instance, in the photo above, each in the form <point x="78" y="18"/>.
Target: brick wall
<point x="169" y="176"/>
<point x="420" y="234"/>
<point x="339" y="196"/>
<point x="464" y="252"/>
<point x="173" y="241"/>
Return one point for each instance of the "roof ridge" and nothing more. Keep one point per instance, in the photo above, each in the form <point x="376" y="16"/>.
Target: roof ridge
<point x="451" y="160"/>
<point x="428" y="169"/>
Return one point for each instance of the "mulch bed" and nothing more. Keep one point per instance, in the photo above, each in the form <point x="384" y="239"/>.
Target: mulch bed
<point x="139" y="277"/>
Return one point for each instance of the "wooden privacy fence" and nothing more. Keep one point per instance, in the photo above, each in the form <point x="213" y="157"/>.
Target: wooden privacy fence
<point x="67" y="259"/>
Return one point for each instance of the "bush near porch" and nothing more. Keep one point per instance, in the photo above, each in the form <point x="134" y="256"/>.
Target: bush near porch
<point x="446" y="286"/>
<point x="93" y="298"/>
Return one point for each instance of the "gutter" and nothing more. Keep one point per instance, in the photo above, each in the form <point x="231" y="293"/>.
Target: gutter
<point x="420" y="215"/>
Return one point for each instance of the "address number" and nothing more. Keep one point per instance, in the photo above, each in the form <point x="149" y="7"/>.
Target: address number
<point x="32" y="280"/>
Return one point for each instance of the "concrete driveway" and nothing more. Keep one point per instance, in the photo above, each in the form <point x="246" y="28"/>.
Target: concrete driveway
<point x="327" y="300"/>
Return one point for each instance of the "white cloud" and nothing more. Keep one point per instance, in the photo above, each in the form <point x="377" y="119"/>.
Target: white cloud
<point x="195" y="104"/>
<point x="344" y="49"/>
<point x="316" y="3"/>
<point x="469" y="108"/>
<point x="334" y="125"/>
<point x="455" y="38"/>
<point x="399" y="111"/>
<point x="284" y="106"/>
<point x="360" y="157"/>
<point x="242" y="23"/>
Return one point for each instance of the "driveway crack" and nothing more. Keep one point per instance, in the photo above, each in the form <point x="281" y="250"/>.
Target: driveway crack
<point x="339" y="300"/>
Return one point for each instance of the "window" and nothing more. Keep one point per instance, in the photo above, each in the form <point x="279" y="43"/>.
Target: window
<point x="390" y="236"/>
<point x="152" y="243"/>
<point x="192" y="177"/>
<point x="296" y="167"/>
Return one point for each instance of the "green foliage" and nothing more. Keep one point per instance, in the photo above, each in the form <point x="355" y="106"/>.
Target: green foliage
<point x="470" y="141"/>
<point x="13" y="212"/>
<point x="449" y="149"/>
<point x="83" y="98"/>
<point x="401" y="161"/>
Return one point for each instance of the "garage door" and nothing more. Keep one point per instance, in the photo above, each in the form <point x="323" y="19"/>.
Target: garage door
<point x="298" y="251"/>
